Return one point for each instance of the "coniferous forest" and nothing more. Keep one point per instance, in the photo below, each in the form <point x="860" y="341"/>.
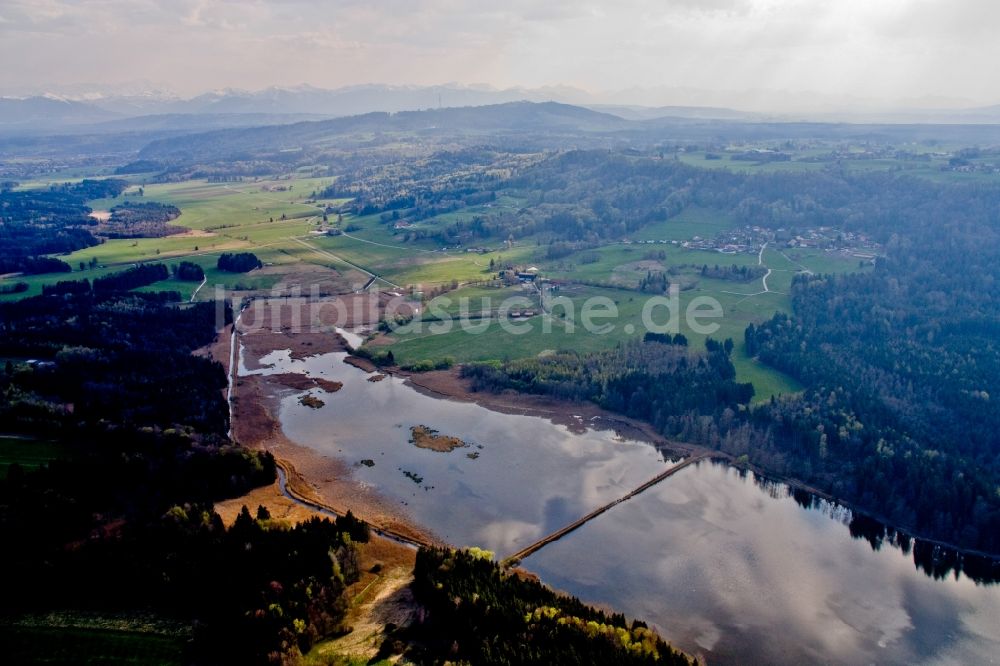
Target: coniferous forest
<point x="480" y="614"/>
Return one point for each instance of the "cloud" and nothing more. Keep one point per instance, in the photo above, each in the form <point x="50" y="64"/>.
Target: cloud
<point x="713" y="6"/>
<point x="889" y="48"/>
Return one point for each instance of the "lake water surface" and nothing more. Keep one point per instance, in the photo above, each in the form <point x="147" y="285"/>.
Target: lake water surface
<point x="724" y="564"/>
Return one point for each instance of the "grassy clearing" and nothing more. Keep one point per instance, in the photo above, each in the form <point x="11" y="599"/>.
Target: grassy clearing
<point x="477" y="298"/>
<point x="239" y="217"/>
<point x="934" y="169"/>
<point x="232" y="281"/>
<point x="503" y="204"/>
<point x="605" y="264"/>
<point x="121" y="252"/>
<point x="598" y="265"/>
<point x="28" y="453"/>
<point x="72" y="646"/>
<point x="691" y="222"/>
<point x="463" y="267"/>
<point x="766" y="380"/>
<point x="412" y="265"/>
<point x="35" y="282"/>
<point x="820" y="261"/>
<point x="742" y="303"/>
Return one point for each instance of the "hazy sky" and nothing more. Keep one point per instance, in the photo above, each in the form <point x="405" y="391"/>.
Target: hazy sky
<point x="879" y="49"/>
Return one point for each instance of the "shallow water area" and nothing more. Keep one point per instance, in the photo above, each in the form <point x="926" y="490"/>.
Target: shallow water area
<point x="725" y="564"/>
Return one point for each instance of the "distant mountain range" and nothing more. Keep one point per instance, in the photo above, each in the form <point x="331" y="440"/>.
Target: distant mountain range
<point x="53" y="112"/>
<point x="119" y="111"/>
<point x="551" y="118"/>
<point x="538" y="125"/>
<point x="47" y="111"/>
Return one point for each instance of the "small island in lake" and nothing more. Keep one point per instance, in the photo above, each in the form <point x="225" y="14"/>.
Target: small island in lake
<point x="301" y="382"/>
<point x="424" y="437"/>
<point x="311" y="401"/>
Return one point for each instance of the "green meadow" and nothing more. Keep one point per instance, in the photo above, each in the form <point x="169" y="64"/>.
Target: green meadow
<point x="565" y="329"/>
<point x="26" y="452"/>
<point x="66" y="646"/>
<point x="280" y="222"/>
<point x="605" y="271"/>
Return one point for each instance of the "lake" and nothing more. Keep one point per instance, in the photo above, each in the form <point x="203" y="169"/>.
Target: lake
<point x="723" y="563"/>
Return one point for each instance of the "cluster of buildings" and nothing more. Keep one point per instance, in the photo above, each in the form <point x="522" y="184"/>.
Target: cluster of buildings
<point x="826" y="238"/>
<point x="750" y="239"/>
<point x="512" y="276"/>
<point x="964" y="166"/>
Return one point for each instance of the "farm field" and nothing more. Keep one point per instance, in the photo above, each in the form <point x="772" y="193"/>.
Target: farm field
<point x="247" y="216"/>
<point x="280" y="222"/>
<point x="488" y="340"/>
<point x="698" y="160"/>
<point x="742" y="303"/>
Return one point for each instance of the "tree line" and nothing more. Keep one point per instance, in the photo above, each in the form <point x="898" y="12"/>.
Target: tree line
<point x="660" y="380"/>
<point x="123" y="519"/>
<point x="149" y="219"/>
<point x="239" y="262"/>
<point x="478" y="613"/>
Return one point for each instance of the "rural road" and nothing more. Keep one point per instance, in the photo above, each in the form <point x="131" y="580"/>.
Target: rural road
<point x="294" y="496"/>
<point x="203" y="281"/>
<point x="760" y="262"/>
<point x="767" y="290"/>
<point x="331" y="255"/>
<point x="233" y="370"/>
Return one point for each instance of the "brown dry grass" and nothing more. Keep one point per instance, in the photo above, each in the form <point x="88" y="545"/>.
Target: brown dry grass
<point x="280" y="507"/>
<point x="304" y="280"/>
<point x="270" y="324"/>
<point x="361" y="363"/>
<point x="382" y="597"/>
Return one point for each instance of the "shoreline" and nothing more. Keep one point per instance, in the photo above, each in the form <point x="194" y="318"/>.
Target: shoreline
<point x="576" y="416"/>
<point x="316" y="480"/>
<point x="445" y="384"/>
<point x="330" y="479"/>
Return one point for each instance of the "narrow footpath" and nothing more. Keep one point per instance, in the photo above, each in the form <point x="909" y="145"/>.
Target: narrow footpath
<point x="558" y="534"/>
